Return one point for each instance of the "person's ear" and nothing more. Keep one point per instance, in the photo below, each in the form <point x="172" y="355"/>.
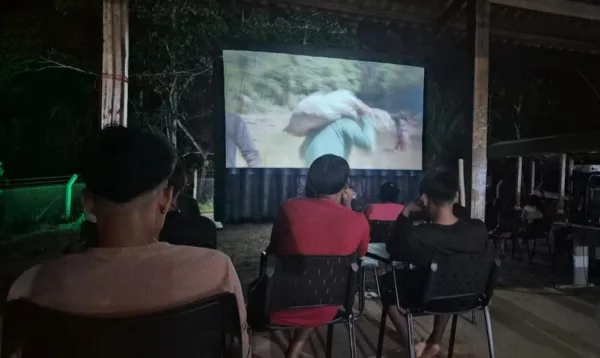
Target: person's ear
<point x="164" y="202"/>
<point x="87" y="202"/>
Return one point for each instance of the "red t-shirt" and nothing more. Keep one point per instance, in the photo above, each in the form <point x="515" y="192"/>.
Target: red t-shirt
<point x="384" y="211"/>
<point x="316" y="227"/>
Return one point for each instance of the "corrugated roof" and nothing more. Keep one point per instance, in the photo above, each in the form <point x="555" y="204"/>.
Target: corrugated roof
<point x="562" y="24"/>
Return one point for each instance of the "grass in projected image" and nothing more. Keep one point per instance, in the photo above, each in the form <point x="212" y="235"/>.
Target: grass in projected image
<point x="267" y="89"/>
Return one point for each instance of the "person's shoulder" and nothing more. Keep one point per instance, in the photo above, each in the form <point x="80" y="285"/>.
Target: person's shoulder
<point x="477" y="226"/>
<point x="23" y="285"/>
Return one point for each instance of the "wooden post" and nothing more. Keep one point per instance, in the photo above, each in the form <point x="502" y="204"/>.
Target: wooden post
<point x="461" y="182"/>
<point x="519" y="182"/>
<point x="532" y="181"/>
<point x="478" y="25"/>
<point x="115" y="58"/>
<point x="563" y="174"/>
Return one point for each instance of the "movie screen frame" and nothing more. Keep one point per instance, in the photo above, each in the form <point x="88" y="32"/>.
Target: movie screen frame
<point x="408" y="142"/>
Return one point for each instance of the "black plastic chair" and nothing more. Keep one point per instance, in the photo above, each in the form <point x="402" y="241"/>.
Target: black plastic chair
<point x="292" y="282"/>
<point x="538" y="229"/>
<point x="207" y="328"/>
<point x="452" y="284"/>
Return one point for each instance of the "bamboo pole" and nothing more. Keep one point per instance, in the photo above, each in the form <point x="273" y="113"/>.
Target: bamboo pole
<point x="461" y="182"/>
<point x="563" y="172"/>
<point x="114" y="91"/>
<point x="532" y="177"/>
<point x="519" y="181"/>
<point x="478" y="24"/>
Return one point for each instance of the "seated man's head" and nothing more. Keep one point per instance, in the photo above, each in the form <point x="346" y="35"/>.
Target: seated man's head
<point x="178" y="181"/>
<point x="389" y="193"/>
<point x="439" y="191"/>
<point x="126" y="173"/>
<point x="327" y="177"/>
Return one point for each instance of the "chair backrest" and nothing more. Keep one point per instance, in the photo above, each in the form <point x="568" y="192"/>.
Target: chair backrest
<point x="309" y="281"/>
<point x="458" y="283"/>
<point x="208" y="328"/>
<point x="381" y="230"/>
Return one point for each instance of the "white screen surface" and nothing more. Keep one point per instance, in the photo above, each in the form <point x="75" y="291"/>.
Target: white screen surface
<point x="284" y="111"/>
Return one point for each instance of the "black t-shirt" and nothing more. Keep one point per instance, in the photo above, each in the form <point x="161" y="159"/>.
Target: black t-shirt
<point x="419" y="244"/>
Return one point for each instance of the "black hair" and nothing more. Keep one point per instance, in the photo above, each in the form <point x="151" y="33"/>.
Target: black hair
<point x="440" y="186"/>
<point x="327" y="175"/>
<point x="389" y="192"/>
<point x="179" y="177"/>
<point x="119" y="164"/>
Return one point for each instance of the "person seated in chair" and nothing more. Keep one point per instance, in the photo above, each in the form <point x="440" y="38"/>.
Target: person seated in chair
<point x="445" y="234"/>
<point x="184" y="225"/>
<point x="129" y="273"/>
<point x="388" y="209"/>
<point x="320" y="224"/>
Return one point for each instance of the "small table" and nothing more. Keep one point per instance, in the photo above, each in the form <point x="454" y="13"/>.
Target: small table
<point x="377" y="252"/>
<point x="584" y="236"/>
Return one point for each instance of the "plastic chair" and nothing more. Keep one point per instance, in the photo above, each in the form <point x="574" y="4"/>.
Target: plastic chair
<point x="207" y="328"/>
<point x="292" y="282"/>
<point x="452" y="284"/>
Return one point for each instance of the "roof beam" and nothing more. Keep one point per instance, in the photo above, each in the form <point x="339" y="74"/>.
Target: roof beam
<point x="555" y="7"/>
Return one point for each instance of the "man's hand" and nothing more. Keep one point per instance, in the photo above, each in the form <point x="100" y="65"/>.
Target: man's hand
<point x="347" y="196"/>
<point x="410" y="208"/>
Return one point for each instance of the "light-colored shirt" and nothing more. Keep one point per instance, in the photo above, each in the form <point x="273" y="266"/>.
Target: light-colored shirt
<point x="338" y="138"/>
<point x="131" y="281"/>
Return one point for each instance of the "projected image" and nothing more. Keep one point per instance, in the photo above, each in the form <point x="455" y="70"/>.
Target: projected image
<point x="284" y="111"/>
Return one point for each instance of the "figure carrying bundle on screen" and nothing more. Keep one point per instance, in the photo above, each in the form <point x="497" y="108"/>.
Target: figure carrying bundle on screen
<point x="332" y="123"/>
<point x="238" y="136"/>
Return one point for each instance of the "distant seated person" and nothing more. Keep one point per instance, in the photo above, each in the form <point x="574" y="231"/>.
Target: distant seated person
<point x="388" y="209"/>
<point x="533" y="209"/>
<point x="129" y="273"/>
<point x="183" y="224"/>
<point x="445" y="234"/>
<point x="321" y="224"/>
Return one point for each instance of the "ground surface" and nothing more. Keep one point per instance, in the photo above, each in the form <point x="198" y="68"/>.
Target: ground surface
<point x="529" y="319"/>
<point x="281" y="150"/>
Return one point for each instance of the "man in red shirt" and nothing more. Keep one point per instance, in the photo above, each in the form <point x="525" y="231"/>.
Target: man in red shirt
<point x="388" y="209"/>
<point x="320" y="224"/>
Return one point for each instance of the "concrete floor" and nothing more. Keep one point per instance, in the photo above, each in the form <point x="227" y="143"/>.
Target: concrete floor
<point x="525" y="323"/>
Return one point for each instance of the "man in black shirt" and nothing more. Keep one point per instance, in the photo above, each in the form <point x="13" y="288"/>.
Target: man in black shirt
<point x="446" y="234"/>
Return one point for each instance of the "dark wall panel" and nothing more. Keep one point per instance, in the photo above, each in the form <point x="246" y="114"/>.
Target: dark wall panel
<point x="254" y="195"/>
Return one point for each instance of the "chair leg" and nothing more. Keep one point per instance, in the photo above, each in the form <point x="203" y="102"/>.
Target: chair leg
<point x="382" y="326"/>
<point x="488" y="329"/>
<point x="329" y="340"/>
<point x="410" y="340"/>
<point x="473" y="317"/>
<point x="352" y="336"/>
<point x="552" y="254"/>
<point x="377" y="282"/>
<point x="452" y="336"/>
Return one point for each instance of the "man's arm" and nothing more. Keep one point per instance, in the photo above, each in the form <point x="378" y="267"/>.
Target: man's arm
<point x="363" y="136"/>
<point x="278" y="232"/>
<point x="244" y="142"/>
<point x="398" y="244"/>
<point x="235" y="287"/>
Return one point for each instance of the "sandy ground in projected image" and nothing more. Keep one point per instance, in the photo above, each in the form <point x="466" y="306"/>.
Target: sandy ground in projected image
<point x="281" y="150"/>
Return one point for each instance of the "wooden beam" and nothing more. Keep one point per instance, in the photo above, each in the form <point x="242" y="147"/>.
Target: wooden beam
<point x="479" y="36"/>
<point x="448" y="14"/>
<point x="556" y="7"/>
<point x="115" y="58"/>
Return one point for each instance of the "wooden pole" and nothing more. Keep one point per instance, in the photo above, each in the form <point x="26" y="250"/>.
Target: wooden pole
<point x="519" y="181"/>
<point x="479" y="35"/>
<point x="115" y="57"/>
<point x="563" y="173"/>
